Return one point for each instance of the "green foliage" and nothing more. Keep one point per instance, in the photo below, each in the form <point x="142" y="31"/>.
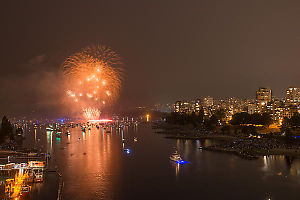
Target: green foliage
<point x="256" y="119"/>
<point x="220" y="114"/>
<point x="225" y="129"/>
<point x="288" y="136"/>
<point x="6" y="129"/>
<point x="249" y="130"/>
<point x="294" y="121"/>
<point x="184" y="119"/>
<point x="212" y="122"/>
<point x="194" y="119"/>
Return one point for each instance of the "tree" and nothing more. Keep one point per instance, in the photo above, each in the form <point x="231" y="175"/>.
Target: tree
<point x="295" y="120"/>
<point x="266" y="119"/>
<point x="249" y="130"/>
<point x="220" y="114"/>
<point x="212" y="122"/>
<point x="257" y="119"/>
<point x="6" y="129"/>
<point x="225" y="129"/>
<point x="241" y="118"/>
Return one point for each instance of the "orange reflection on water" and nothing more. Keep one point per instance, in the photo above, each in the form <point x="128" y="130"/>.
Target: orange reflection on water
<point x="94" y="161"/>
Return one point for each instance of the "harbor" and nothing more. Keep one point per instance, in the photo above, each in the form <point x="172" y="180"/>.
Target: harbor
<point x="107" y="161"/>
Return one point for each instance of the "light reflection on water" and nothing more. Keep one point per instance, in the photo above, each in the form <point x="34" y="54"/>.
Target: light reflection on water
<point x="96" y="167"/>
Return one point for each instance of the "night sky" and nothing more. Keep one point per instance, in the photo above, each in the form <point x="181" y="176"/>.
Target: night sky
<point x="171" y="49"/>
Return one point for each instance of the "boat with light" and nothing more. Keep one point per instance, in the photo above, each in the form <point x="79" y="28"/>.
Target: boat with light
<point x="175" y="157"/>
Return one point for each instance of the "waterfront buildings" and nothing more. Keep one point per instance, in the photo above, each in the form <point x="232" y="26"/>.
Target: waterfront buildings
<point x="182" y="107"/>
<point x="264" y="102"/>
<point x="195" y="106"/>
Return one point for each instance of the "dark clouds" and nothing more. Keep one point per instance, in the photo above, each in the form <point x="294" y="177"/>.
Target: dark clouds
<point x="171" y="49"/>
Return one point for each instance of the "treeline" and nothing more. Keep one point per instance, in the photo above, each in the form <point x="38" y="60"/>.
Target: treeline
<point x="293" y="122"/>
<point x="184" y="119"/>
<point x="243" y="122"/>
<point x="244" y="118"/>
<point x="7" y="132"/>
<point x="196" y="120"/>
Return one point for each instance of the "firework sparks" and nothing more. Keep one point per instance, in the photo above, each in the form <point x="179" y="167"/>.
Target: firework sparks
<point x="91" y="113"/>
<point x="93" y="79"/>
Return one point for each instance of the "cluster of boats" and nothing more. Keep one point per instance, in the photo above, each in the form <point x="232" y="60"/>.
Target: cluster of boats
<point x="28" y="173"/>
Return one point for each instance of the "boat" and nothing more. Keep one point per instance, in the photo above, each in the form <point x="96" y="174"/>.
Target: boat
<point x="32" y="154"/>
<point x="58" y="134"/>
<point x="37" y="164"/>
<point x="25" y="189"/>
<point x="175" y="157"/>
<point x="38" y="176"/>
<point x="127" y="151"/>
<point x="135" y="139"/>
<point x="49" y="128"/>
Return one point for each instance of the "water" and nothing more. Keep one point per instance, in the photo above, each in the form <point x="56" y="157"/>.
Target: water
<point x="95" y="166"/>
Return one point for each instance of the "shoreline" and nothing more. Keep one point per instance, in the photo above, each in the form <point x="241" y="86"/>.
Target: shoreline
<point x="255" y="153"/>
<point x="199" y="137"/>
<point x="242" y="146"/>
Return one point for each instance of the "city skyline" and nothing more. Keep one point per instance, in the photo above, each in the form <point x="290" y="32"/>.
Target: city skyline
<point x="214" y="49"/>
<point x="150" y="99"/>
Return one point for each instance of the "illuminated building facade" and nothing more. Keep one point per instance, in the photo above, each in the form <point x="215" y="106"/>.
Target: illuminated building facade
<point x="263" y="103"/>
<point x="251" y="108"/>
<point x="292" y="96"/>
<point x="182" y="107"/>
<point x="263" y="97"/>
<point x="208" y="101"/>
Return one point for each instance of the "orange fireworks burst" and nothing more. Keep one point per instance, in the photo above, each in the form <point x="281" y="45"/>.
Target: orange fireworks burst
<point x="93" y="79"/>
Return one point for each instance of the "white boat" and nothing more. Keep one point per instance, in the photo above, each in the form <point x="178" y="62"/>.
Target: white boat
<point x="175" y="157"/>
<point x="38" y="176"/>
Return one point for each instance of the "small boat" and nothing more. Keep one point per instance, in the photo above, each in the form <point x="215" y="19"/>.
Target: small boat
<point x="25" y="189"/>
<point x="175" y="157"/>
<point x="127" y="151"/>
<point x="49" y="129"/>
<point x="38" y="177"/>
<point x="135" y="139"/>
<point x="32" y="154"/>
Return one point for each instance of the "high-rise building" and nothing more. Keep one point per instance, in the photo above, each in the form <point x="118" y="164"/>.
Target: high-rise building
<point x="290" y="111"/>
<point x="263" y="97"/>
<point x="198" y="106"/>
<point x="208" y="101"/>
<point x="292" y="96"/>
<point x="251" y="108"/>
<point x="177" y="106"/>
<point x="182" y="107"/>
